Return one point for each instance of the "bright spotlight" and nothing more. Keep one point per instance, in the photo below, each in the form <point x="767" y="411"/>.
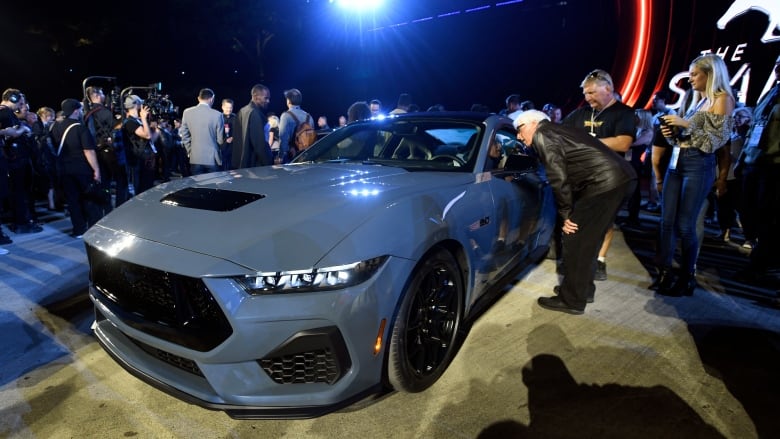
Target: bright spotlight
<point x="359" y="5"/>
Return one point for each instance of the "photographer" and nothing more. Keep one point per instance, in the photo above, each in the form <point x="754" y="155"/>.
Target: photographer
<point x="100" y="121"/>
<point x="139" y="139"/>
<point x="17" y="151"/>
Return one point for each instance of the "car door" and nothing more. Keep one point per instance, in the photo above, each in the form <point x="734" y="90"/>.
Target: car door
<point x="517" y="193"/>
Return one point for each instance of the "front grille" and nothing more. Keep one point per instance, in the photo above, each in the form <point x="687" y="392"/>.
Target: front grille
<point x="314" y="356"/>
<point x="307" y="367"/>
<point x="182" y="363"/>
<point x="175" y="308"/>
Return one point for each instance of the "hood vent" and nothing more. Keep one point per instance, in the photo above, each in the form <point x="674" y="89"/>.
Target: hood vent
<point x="216" y="200"/>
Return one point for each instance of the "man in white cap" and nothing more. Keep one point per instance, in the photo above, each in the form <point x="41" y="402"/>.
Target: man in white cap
<point x="590" y="182"/>
<point x="138" y="139"/>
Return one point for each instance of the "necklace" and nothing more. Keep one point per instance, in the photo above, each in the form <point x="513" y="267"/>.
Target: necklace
<point x="594" y="116"/>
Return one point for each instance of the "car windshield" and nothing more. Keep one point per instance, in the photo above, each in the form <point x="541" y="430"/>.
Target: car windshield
<point x="416" y="145"/>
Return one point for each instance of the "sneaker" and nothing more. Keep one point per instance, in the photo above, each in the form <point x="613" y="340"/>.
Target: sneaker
<point x="748" y="245"/>
<point x="601" y="271"/>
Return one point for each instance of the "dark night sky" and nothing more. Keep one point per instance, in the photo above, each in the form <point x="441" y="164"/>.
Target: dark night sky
<point x="539" y="49"/>
<point x="334" y="58"/>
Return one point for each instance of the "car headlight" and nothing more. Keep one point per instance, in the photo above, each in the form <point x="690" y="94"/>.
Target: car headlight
<point x="314" y="279"/>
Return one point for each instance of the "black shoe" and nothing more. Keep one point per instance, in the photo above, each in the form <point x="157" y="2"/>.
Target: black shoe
<point x="631" y="222"/>
<point x="556" y="304"/>
<point x="601" y="271"/>
<point x="4" y="239"/>
<point x="663" y="281"/>
<point x="557" y="291"/>
<point x="28" y="228"/>
<point x="684" y="286"/>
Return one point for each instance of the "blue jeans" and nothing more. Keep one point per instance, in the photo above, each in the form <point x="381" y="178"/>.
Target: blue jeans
<point x="685" y="190"/>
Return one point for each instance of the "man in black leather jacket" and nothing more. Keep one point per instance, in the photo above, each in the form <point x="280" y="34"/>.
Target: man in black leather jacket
<point x="590" y="182"/>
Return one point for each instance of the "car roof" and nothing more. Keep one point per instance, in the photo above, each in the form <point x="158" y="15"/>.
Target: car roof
<point x="465" y="116"/>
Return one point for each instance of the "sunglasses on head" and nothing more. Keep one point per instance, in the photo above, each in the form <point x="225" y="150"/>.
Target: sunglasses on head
<point x="599" y="76"/>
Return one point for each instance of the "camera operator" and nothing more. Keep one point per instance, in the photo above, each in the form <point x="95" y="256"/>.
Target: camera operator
<point x="100" y="121"/>
<point x="18" y="150"/>
<point x="139" y="140"/>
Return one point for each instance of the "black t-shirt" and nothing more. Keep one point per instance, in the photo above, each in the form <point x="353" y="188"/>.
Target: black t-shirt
<point x="8" y="118"/>
<point x="616" y="120"/>
<point x="71" y="157"/>
<point x="16" y="150"/>
<point x="135" y="146"/>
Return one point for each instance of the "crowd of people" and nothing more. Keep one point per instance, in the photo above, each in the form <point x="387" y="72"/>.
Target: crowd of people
<point x="597" y="158"/>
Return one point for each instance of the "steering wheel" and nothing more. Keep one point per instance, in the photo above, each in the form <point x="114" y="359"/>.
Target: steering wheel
<point x="412" y="148"/>
<point x="457" y="161"/>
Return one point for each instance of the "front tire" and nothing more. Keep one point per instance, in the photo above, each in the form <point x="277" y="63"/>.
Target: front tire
<point x="423" y="340"/>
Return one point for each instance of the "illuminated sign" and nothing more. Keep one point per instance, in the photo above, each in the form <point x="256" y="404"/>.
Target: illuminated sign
<point x="742" y="57"/>
<point x="769" y="7"/>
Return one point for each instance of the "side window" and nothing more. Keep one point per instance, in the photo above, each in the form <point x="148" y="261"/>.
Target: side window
<point x="509" y="143"/>
<point x="502" y="144"/>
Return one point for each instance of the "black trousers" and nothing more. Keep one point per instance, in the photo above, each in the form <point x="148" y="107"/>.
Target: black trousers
<point x="594" y="215"/>
<point x="20" y="179"/>
<point x="83" y="212"/>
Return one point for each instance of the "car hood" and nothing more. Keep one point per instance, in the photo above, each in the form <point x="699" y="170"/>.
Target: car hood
<point x="277" y="218"/>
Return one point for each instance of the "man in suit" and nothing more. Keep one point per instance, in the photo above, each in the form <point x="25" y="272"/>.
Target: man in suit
<point x="202" y="131"/>
<point x="250" y="147"/>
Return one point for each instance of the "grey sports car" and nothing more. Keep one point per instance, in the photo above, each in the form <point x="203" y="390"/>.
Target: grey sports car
<point x="297" y="290"/>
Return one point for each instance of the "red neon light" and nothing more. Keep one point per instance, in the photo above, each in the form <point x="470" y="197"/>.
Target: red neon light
<point x="638" y="70"/>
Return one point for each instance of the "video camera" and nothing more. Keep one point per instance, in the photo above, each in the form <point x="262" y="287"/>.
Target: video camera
<point x="110" y="88"/>
<point x="160" y="105"/>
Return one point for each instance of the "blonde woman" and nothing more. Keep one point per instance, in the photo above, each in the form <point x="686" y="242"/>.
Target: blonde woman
<point x="273" y="137"/>
<point x="703" y="127"/>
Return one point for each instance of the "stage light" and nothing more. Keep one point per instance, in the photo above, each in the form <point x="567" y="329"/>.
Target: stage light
<point x="359" y="5"/>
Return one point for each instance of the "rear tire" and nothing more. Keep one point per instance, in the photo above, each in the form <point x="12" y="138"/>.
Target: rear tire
<point x="423" y="340"/>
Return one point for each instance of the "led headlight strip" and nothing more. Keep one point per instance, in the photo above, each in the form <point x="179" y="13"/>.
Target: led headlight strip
<point x="313" y="279"/>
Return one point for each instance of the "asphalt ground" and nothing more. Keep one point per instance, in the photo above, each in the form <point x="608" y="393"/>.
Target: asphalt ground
<point x="634" y="365"/>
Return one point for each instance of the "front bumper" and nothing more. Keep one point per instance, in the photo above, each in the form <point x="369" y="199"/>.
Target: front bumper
<point x="292" y="355"/>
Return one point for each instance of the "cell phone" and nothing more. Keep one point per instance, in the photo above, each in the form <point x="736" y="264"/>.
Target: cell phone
<point x="663" y="121"/>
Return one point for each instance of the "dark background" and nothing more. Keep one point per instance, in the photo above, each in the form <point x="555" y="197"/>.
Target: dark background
<point x="539" y="49"/>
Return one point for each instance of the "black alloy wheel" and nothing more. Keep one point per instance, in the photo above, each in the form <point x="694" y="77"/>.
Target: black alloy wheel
<point x="423" y="340"/>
